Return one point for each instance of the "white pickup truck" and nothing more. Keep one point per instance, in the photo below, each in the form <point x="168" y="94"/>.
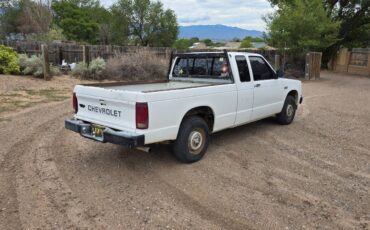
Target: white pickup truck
<point x="206" y="92"/>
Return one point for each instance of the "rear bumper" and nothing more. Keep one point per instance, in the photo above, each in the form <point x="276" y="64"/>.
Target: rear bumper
<point x="109" y="135"/>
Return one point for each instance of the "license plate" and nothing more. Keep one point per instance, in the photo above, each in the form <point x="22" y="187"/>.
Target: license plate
<point x="97" y="130"/>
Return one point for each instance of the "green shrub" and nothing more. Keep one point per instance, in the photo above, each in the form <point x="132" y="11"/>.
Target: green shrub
<point x="80" y="70"/>
<point x="96" y="68"/>
<point x="33" y="66"/>
<point x="55" y="71"/>
<point x="8" y="61"/>
<point x="94" y="71"/>
<point x="22" y="61"/>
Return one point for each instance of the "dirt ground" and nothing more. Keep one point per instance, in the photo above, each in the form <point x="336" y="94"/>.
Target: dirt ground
<point x="312" y="174"/>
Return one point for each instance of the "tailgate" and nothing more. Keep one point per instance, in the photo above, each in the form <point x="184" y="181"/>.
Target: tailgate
<point x="107" y="107"/>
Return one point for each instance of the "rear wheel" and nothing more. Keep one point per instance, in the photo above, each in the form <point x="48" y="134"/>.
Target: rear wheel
<point x="192" y="140"/>
<point x="287" y="114"/>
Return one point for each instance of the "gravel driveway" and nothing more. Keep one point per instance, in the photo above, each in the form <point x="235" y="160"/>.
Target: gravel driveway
<point x="314" y="173"/>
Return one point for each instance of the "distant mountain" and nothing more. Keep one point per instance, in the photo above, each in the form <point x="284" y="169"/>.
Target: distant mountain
<point x="216" y="32"/>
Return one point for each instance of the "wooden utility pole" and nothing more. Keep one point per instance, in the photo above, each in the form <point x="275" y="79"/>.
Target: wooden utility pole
<point x="85" y="54"/>
<point x="60" y="54"/>
<point x="277" y="62"/>
<point x="45" y="62"/>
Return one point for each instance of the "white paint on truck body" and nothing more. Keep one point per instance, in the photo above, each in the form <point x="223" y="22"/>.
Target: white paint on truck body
<point x="233" y="103"/>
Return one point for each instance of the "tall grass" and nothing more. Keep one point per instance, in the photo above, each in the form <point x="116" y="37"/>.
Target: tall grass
<point x="141" y="65"/>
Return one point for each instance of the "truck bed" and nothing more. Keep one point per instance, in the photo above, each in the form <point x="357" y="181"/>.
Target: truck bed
<point x="154" y="87"/>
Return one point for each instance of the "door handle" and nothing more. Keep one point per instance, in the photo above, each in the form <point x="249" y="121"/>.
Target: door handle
<point x="257" y="85"/>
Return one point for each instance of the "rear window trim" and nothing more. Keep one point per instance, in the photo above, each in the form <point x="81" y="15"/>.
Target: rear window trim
<point x="208" y="77"/>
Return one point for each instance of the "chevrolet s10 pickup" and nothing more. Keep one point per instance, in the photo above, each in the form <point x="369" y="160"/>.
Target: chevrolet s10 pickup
<point x="205" y="92"/>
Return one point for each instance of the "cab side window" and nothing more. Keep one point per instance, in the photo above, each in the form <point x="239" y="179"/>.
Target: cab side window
<point x="243" y="69"/>
<point x="261" y="70"/>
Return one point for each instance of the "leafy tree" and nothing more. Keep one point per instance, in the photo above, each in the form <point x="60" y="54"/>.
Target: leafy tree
<point x="182" y="44"/>
<point x="301" y="25"/>
<point x="54" y="33"/>
<point x="35" y="18"/>
<point x="354" y="29"/>
<point x="194" y="39"/>
<point x="24" y="16"/>
<point x="75" y="18"/>
<point x="246" y="43"/>
<point x="254" y="39"/>
<point x="104" y="19"/>
<point x="351" y="17"/>
<point x="208" y="42"/>
<point x="146" y="22"/>
<point x="9" y="14"/>
<point x="120" y="22"/>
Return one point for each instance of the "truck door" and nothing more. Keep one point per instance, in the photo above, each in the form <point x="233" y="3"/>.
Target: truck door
<point x="268" y="90"/>
<point x="245" y="91"/>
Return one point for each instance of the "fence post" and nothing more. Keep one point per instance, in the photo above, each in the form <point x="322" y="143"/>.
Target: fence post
<point x="60" y="54"/>
<point x="277" y="62"/>
<point x="318" y="64"/>
<point x="45" y="62"/>
<point x="85" y="55"/>
<point x="368" y="64"/>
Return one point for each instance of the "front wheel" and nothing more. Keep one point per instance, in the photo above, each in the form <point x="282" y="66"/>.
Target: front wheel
<point x="192" y="140"/>
<point x="286" y="116"/>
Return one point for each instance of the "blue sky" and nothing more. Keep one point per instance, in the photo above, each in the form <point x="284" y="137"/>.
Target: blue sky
<point x="245" y="14"/>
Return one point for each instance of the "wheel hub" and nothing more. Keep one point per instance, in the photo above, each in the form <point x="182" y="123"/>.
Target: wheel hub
<point x="289" y="110"/>
<point x="195" y="142"/>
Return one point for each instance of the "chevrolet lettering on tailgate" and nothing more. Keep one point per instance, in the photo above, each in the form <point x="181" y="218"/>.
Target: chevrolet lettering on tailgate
<point x="109" y="112"/>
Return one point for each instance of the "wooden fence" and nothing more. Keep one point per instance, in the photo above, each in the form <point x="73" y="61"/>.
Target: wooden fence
<point x="74" y="53"/>
<point x="356" y="61"/>
<point x="71" y="52"/>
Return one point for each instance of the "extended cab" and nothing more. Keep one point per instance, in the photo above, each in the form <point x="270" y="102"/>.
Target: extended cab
<point x="205" y="93"/>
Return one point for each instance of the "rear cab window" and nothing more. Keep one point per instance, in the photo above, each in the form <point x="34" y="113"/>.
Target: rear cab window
<point x="210" y="66"/>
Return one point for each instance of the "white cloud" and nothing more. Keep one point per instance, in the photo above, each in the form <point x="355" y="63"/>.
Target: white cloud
<point x="246" y="14"/>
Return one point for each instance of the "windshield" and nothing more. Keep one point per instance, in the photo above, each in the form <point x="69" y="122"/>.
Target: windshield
<point x="201" y="67"/>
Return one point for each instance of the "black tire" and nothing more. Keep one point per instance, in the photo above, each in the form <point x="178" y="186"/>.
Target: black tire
<point x="192" y="140"/>
<point x="286" y="116"/>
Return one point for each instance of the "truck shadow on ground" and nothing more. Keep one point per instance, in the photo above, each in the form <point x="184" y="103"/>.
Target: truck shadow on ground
<point x="108" y="157"/>
<point x="162" y="153"/>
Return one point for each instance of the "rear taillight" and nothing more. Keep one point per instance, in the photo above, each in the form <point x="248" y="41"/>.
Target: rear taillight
<point x="75" y="103"/>
<point x="142" y="116"/>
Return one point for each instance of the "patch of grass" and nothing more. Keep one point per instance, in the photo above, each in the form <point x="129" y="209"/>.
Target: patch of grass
<point x="10" y="95"/>
<point x="14" y="101"/>
<point x="4" y="119"/>
<point x="53" y="95"/>
<point x="31" y="92"/>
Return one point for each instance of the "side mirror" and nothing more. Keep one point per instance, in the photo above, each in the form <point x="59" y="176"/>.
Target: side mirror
<point x="279" y="73"/>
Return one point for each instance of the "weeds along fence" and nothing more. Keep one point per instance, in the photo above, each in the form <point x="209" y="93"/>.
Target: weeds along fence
<point x="71" y="52"/>
<point x="74" y="53"/>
